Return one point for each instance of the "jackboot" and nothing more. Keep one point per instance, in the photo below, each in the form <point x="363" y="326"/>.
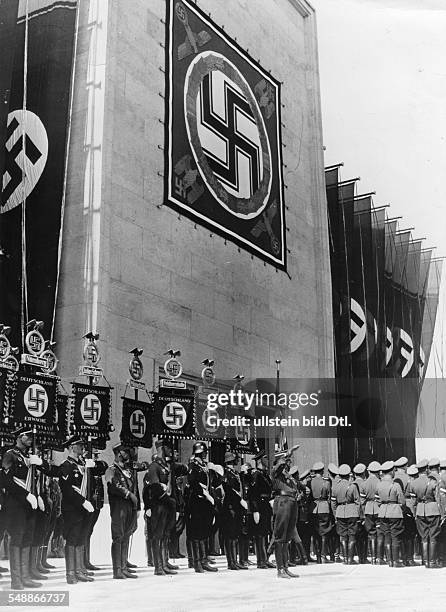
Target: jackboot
<point x="15" y="568"/>
<point x="229" y="555"/>
<point x="351" y="551"/>
<point x="301" y="552"/>
<point x="81" y="573"/>
<point x="380" y="551"/>
<point x="235" y="550"/>
<point x="149" y="552"/>
<point x="425" y="553"/>
<point x="278" y="552"/>
<point x="157" y="557"/>
<point x="190" y="560"/>
<point x="126" y="571"/>
<point x="204" y="559"/>
<point x="261" y="564"/>
<point x="82" y="561"/>
<point x="285" y="555"/>
<point x="396" y="555"/>
<point x="409" y="552"/>
<point x="39" y="565"/>
<point x="44" y="560"/>
<point x="388" y="548"/>
<point x="196" y="556"/>
<point x="373" y="550"/>
<point x="24" y="564"/>
<point x="87" y="563"/>
<point x="33" y="571"/>
<point x="116" y="561"/>
<point x="70" y="565"/>
<point x="344" y="548"/>
<point x="433" y="563"/>
<point x="243" y="551"/>
<point x="324" y="550"/>
<point x="164" y="559"/>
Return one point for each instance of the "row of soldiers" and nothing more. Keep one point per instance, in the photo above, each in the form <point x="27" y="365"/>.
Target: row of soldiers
<point x="380" y="508"/>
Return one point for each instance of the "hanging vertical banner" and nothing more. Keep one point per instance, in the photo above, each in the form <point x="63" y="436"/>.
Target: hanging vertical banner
<point x="208" y="420"/>
<point x="91" y="407"/>
<point x="223" y="153"/>
<point x="8" y="22"/>
<point x="136" y="423"/>
<point x="173" y="413"/>
<point x="35" y="146"/>
<point x="33" y="401"/>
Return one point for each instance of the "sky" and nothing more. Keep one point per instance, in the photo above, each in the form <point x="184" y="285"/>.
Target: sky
<point x="383" y="88"/>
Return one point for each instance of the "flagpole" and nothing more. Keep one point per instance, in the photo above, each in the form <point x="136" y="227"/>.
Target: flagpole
<point x="281" y="431"/>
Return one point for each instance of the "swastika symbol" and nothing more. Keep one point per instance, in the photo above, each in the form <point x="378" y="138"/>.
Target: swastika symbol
<point x="5" y="347"/>
<point x="36" y="400"/>
<point x="205" y="419"/>
<point x="35" y="342"/>
<point x="91" y="409"/>
<point x="174" y="415"/>
<point x="138" y="424"/>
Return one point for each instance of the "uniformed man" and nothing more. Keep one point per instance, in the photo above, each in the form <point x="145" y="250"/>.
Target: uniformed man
<point x="442" y="504"/>
<point x="321" y="512"/>
<point x="179" y="474"/>
<point x="232" y="512"/>
<point x="347" y="513"/>
<point x="304" y="524"/>
<point x="259" y="496"/>
<point x="20" y="507"/>
<point x="371" y="510"/>
<point x="428" y="517"/>
<point x="97" y="500"/>
<point x="296" y="550"/>
<point x="216" y="477"/>
<point x="409" y="522"/>
<point x="285" y="493"/>
<point x="411" y="508"/>
<point x="390" y="524"/>
<point x="159" y="507"/>
<point x="200" y="514"/>
<point x="76" y="508"/>
<point x="335" y="543"/>
<point x="359" y="473"/>
<point x="123" y="507"/>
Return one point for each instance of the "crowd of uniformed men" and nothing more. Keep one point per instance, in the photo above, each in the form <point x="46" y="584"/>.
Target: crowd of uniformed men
<point x="369" y="514"/>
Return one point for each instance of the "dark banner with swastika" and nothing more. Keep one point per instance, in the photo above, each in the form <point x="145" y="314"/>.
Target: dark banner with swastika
<point x="35" y="147"/>
<point x="173" y="413"/>
<point x="208" y="421"/>
<point x="223" y="138"/>
<point x="91" y="410"/>
<point x="136" y="423"/>
<point x="33" y="400"/>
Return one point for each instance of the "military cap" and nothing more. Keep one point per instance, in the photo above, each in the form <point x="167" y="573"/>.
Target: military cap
<point x="359" y="468"/>
<point x="421" y="465"/>
<point x="374" y="466"/>
<point x="318" y="466"/>
<point x="333" y="469"/>
<point x="293" y="470"/>
<point x="199" y="447"/>
<point x="259" y="455"/>
<point x="387" y="466"/>
<point x="344" y="470"/>
<point x="401" y="462"/>
<point x="74" y="440"/>
<point x="434" y="462"/>
<point x="412" y="470"/>
<point x="443" y="464"/>
<point x="229" y="457"/>
<point x="22" y="431"/>
<point x="304" y="474"/>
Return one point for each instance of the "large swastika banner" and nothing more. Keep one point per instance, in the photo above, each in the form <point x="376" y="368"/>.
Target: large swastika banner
<point x="91" y="410"/>
<point x="136" y="423"/>
<point x="223" y="153"/>
<point x="33" y="401"/>
<point x="174" y="413"/>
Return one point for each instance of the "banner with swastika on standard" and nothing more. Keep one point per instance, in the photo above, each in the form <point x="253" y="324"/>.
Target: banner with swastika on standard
<point x="208" y="421"/>
<point x="136" y="423"/>
<point x="91" y="409"/>
<point x="223" y="135"/>
<point x="33" y="400"/>
<point x="173" y="413"/>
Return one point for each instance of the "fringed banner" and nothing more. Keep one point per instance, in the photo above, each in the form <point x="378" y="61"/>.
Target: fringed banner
<point x="33" y="400"/>
<point x="136" y="423"/>
<point x="173" y="414"/>
<point x="91" y="407"/>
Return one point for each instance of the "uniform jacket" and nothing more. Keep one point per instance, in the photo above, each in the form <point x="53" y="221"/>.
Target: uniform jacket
<point x="120" y="483"/>
<point x="390" y="497"/>
<point x="157" y="475"/>
<point x="282" y="483"/>
<point x="260" y="489"/>
<point x="71" y="473"/>
<point x="370" y="487"/>
<point x="401" y="477"/>
<point x="232" y="488"/>
<point x="347" y="500"/>
<point x="442" y="493"/>
<point x="334" y="483"/>
<point x="321" y="492"/>
<point x="427" y="491"/>
<point x="15" y="468"/>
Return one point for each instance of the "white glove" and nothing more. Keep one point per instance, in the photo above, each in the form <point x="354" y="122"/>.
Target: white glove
<point x="88" y="506"/>
<point x="244" y="504"/>
<point x="90" y="463"/>
<point x="164" y="486"/>
<point x="177" y="516"/>
<point x="32" y="500"/>
<point x="271" y="503"/>
<point x="256" y="517"/>
<point x="148" y="513"/>
<point x="40" y="504"/>
<point x="35" y="460"/>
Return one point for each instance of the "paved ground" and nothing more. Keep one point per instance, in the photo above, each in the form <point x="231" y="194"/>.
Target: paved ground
<point x="333" y="587"/>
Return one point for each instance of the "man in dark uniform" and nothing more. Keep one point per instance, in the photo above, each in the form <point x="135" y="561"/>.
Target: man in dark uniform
<point x="76" y="508"/>
<point x="232" y="511"/>
<point x="304" y="524"/>
<point x="390" y="524"/>
<point x="371" y="510"/>
<point x="442" y="505"/>
<point x="200" y="514"/>
<point x="359" y="472"/>
<point x="160" y="507"/>
<point x="334" y="541"/>
<point x="347" y="513"/>
<point x="428" y="516"/>
<point x="97" y="500"/>
<point x="285" y="493"/>
<point x="179" y="472"/>
<point x="322" y="518"/>
<point x="297" y="555"/>
<point x="411" y="508"/>
<point x="123" y="506"/>
<point x="259" y="496"/>
<point x="20" y="506"/>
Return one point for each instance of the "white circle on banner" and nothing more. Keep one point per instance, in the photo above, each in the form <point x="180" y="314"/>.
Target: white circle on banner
<point x="35" y="400"/>
<point x="91" y="409"/>
<point x="174" y="415"/>
<point x="205" y="419"/>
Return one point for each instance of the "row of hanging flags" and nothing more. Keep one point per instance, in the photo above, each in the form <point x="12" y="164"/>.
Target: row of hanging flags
<point x="385" y="289"/>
